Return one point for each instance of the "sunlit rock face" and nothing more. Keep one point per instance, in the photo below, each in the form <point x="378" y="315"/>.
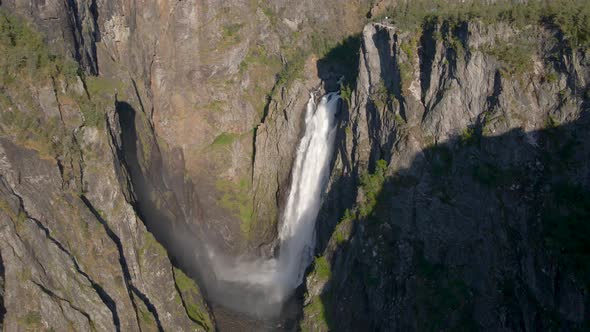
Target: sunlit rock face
<point x="456" y="190"/>
<point x="261" y="286"/>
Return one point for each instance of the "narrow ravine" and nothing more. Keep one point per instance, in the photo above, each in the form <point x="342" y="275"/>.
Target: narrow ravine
<point x="260" y="287"/>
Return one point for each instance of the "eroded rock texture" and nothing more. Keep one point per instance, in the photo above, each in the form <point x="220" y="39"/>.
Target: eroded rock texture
<point x="467" y="171"/>
<point x="460" y="178"/>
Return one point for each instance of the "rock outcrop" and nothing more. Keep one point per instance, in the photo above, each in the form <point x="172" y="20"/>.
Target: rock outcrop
<point x="471" y="173"/>
<point x="135" y="137"/>
<point x="75" y="251"/>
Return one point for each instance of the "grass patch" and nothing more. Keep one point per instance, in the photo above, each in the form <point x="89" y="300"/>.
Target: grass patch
<point x="237" y="199"/>
<point x="271" y="15"/>
<point x="25" y="57"/>
<point x="146" y="317"/>
<point x="340" y="236"/>
<point x="380" y="95"/>
<point x="406" y="75"/>
<point x="258" y="56"/>
<point x="26" y="62"/>
<point x="193" y="299"/>
<point x="215" y="106"/>
<point x="571" y="17"/>
<point x="322" y="267"/>
<point x="346" y="93"/>
<point x="151" y="245"/>
<point x="371" y="185"/>
<point x="103" y="87"/>
<point x="31" y="320"/>
<point x="223" y="139"/>
<point x="316" y="312"/>
<point x="292" y="69"/>
<point x="468" y="136"/>
<point x="46" y="136"/>
<point x="515" y="57"/>
<point x="230" y="33"/>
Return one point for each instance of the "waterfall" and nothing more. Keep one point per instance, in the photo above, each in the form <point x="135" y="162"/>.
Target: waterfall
<point x="259" y="286"/>
<point x="310" y="175"/>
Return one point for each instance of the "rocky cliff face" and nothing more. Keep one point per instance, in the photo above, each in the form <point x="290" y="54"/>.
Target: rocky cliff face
<point x="75" y="252"/>
<point x="207" y="74"/>
<point x="126" y="148"/>
<point x="458" y="191"/>
<point x="464" y="173"/>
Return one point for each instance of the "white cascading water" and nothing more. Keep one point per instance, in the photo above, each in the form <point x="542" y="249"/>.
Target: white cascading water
<point x="310" y="175"/>
<point x="266" y="283"/>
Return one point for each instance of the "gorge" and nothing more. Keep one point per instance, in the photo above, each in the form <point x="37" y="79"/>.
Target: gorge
<point x="260" y="287"/>
<point x="163" y="166"/>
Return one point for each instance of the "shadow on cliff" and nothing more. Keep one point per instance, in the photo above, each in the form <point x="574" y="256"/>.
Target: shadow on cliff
<point x="160" y="212"/>
<point x="339" y="66"/>
<point x="163" y="199"/>
<point x="338" y="69"/>
<point x="447" y="236"/>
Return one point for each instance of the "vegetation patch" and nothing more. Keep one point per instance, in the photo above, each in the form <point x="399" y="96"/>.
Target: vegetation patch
<point x="258" y="56"/>
<point x="236" y="198"/>
<point x="322" y="267"/>
<point x="515" y="57"/>
<point x="45" y="136"/>
<point x="230" y="33"/>
<point x="271" y="15"/>
<point x="223" y="139"/>
<point x="151" y="245"/>
<point x="570" y="17"/>
<point x="292" y="69"/>
<point x="371" y="186"/>
<point x="340" y="236"/>
<point x="380" y="95"/>
<point x="315" y="312"/>
<point x="25" y="58"/>
<point x="146" y="317"/>
<point x="192" y="299"/>
<point x="469" y="136"/>
<point x="31" y="320"/>
<point x="346" y="93"/>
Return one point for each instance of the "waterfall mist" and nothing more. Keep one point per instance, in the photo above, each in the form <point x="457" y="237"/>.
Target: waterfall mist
<point x="261" y="286"/>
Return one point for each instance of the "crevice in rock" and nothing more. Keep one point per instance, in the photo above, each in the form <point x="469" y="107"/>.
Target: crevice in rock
<point x="493" y="102"/>
<point x="76" y="26"/>
<point x="440" y="92"/>
<point x="122" y="260"/>
<point x="255" y="135"/>
<point x="145" y="184"/>
<point x="93" y="8"/>
<point x="149" y="305"/>
<point x="122" y="172"/>
<point x="51" y="294"/>
<point x="104" y="296"/>
<point x="494" y="99"/>
<point x="184" y="305"/>
<point x="426" y="53"/>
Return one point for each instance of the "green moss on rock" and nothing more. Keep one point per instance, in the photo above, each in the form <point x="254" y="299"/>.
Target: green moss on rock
<point x="237" y="199"/>
<point x="192" y="300"/>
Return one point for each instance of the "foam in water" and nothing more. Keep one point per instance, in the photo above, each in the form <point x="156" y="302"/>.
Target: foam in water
<point x="260" y="286"/>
